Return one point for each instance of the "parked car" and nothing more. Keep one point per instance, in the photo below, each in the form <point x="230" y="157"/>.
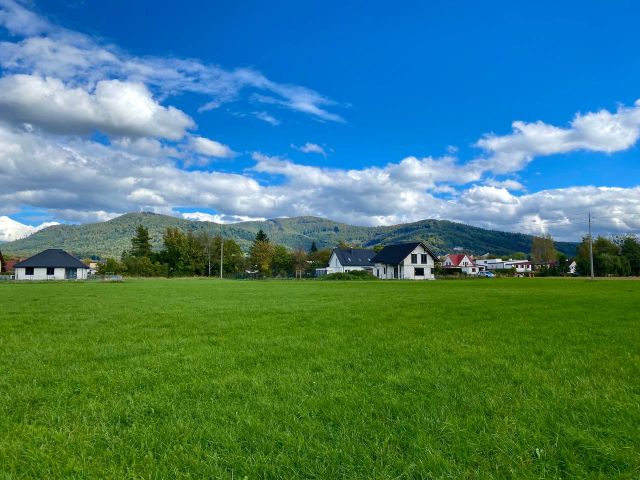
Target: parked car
<point x="486" y="274"/>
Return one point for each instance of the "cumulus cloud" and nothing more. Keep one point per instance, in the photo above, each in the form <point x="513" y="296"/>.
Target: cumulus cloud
<point x="113" y="107"/>
<point x="49" y="50"/>
<point x="12" y="230"/>
<point x="310" y="148"/>
<point x="600" y="131"/>
<point x="81" y="180"/>
<point x="210" y="148"/>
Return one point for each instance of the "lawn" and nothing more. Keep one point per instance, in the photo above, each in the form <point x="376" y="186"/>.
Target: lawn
<point x="500" y="378"/>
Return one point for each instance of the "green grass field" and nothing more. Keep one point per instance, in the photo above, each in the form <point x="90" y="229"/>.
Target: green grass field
<point x="513" y="378"/>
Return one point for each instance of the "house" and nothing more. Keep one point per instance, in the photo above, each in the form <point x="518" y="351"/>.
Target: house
<point x="412" y="261"/>
<point x="462" y="261"/>
<point x="573" y="267"/>
<point x="520" y="266"/>
<point x="52" y="264"/>
<point x="347" y="260"/>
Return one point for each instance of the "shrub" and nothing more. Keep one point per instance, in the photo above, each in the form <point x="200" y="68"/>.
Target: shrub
<point x="353" y="275"/>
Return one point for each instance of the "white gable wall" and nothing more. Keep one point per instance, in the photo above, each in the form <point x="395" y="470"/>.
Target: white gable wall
<point x="40" y="273"/>
<point x="407" y="269"/>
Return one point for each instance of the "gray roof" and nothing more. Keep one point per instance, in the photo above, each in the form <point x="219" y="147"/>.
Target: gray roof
<point x="355" y="257"/>
<point x="53" y="257"/>
<point x="395" y="254"/>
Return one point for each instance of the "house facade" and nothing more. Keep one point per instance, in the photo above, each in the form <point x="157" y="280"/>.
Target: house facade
<point x="347" y="260"/>
<point x="410" y="261"/>
<point x="52" y="264"/>
<point x="464" y="262"/>
<point x="520" y="266"/>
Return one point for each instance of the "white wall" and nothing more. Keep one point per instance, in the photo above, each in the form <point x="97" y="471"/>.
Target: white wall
<point x="41" y="274"/>
<point x="407" y="269"/>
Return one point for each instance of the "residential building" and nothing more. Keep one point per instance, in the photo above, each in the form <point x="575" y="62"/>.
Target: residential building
<point x="520" y="266"/>
<point x="462" y="261"/>
<point x="412" y="261"/>
<point x="347" y="260"/>
<point x="52" y="264"/>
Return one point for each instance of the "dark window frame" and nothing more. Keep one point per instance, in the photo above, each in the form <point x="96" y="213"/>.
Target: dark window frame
<point x="414" y="258"/>
<point x="423" y="258"/>
<point x="51" y="271"/>
<point x="29" y="270"/>
<point x="419" y="271"/>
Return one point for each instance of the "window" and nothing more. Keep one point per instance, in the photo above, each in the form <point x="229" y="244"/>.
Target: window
<point x="423" y="259"/>
<point x="414" y="258"/>
<point x="51" y="271"/>
<point x="28" y="271"/>
<point x="419" y="272"/>
<point x="70" y="273"/>
<point x="433" y="271"/>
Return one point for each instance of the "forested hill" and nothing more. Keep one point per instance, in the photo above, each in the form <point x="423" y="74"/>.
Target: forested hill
<point x="111" y="238"/>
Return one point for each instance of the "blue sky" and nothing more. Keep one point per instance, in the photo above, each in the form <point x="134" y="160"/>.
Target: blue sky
<point x="369" y="113"/>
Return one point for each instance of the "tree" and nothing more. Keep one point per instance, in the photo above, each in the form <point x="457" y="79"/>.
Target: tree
<point x="141" y="243"/>
<point x="314" y="247"/>
<point x="543" y="249"/>
<point x="261" y="253"/>
<point x="111" y="265"/>
<point x="299" y="261"/>
<point x="172" y="253"/>
<point x="630" y="249"/>
<point x="607" y="258"/>
<point x="261" y="236"/>
<point x="281" y="261"/>
<point x="318" y="259"/>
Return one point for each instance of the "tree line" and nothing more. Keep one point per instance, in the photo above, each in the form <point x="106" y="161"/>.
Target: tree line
<point x="199" y="254"/>
<point x="616" y="256"/>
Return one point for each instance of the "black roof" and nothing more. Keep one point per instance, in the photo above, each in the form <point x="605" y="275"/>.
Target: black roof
<point x="394" y="254"/>
<point x="53" y="257"/>
<point x="355" y="257"/>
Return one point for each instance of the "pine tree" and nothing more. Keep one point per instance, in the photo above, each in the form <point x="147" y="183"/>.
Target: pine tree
<point x="314" y="247"/>
<point x="261" y="236"/>
<point x="141" y="243"/>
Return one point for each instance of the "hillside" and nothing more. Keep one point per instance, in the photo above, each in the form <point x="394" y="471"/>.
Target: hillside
<point x="111" y="238"/>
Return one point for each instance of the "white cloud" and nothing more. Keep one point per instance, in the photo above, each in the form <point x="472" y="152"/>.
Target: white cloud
<point x="210" y="148"/>
<point x="52" y="51"/>
<point x="600" y="131"/>
<point x="80" y="180"/>
<point x="216" y="218"/>
<point x="310" y="148"/>
<point x="113" y="107"/>
<point x="266" y="117"/>
<point x="12" y="230"/>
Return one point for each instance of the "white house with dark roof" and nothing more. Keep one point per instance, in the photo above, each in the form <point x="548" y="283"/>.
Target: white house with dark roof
<point x="410" y="261"/>
<point x="347" y="260"/>
<point x="52" y="264"/>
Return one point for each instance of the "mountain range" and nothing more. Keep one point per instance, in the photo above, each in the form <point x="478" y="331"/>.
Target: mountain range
<point x="111" y="238"/>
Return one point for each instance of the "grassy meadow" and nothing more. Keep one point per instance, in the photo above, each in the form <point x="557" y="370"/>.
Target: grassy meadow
<point x="501" y="378"/>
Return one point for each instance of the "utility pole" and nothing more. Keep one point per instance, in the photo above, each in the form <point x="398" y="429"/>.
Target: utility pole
<point x="221" y="251"/>
<point x="590" y="247"/>
<point x="209" y="253"/>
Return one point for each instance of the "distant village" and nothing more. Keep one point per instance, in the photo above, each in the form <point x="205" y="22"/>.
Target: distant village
<point x="186" y="255"/>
